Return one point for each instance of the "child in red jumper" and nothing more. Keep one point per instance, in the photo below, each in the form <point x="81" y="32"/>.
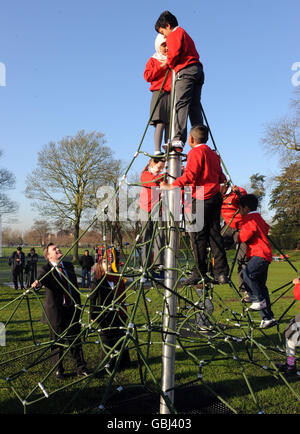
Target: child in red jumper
<point x="232" y="223"/>
<point x="155" y="74"/>
<point x="149" y="204"/>
<point x="292" y="336"/>
<point x="253" y="232"/>
<point x="203" y="168"/>
<point x="183" y="58"/>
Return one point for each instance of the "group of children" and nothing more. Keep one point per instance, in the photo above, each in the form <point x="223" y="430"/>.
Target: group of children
<point x="242" y="222"/>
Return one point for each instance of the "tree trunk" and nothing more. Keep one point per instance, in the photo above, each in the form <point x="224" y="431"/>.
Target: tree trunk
<point x="76" y="236"/>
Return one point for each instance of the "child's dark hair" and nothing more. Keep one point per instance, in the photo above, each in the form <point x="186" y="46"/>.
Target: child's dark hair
<point x="249" y="200"/>
<point x="200" y="133"/>
<point x="153" y="161"/>
<point x="164" y="19"/>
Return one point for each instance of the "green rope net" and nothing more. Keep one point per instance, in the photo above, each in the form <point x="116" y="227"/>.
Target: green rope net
<point x="212" y="331"/>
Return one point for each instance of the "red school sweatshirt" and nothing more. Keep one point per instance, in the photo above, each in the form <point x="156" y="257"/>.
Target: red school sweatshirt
<point x="149" y="196"/>
<point x="203" y="168"/>
<point x="253" y="232"/>
<point x="181" y="50"/>
<point x="230" y="206"/>
<point x="296" y="292"/>
<point x="155" y="75"/>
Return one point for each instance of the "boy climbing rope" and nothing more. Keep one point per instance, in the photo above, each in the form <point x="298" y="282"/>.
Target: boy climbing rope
<point x="203" y="168"/>
<point x="183" y="58"/>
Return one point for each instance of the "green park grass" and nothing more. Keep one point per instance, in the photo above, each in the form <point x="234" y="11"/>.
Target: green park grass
<point x="227" y="376"/>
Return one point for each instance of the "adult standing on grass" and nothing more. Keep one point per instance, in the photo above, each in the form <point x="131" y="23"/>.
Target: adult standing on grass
<point x="31" y="267"/>
<point x="61" y="311"/>
<point x="86" y="261"/>
<point x="17" y="263"/>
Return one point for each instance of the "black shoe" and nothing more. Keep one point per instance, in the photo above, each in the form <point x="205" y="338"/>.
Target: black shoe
<point x="59" y="375"/>
<point x="286" y="369"/>
<point x="193" y="280"/>
<point x="222" y="279"/>
<point x="157" y="276"/>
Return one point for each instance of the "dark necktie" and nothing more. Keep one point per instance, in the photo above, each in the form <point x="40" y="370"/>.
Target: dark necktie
<point x="67" y="301"/>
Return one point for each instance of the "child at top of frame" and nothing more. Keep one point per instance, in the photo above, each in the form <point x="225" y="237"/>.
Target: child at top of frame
<point x="203" y="169"/>
<point x="183" y="58"/>
<point x="149" y="204"/>
<point x="292" y="337"/>
<point x="155" y="73"/>
<point x="253" y="232"/>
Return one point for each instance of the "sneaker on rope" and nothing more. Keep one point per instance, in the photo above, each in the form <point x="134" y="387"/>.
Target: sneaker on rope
<point x="258" y="305"/>
<point x="267" y="323"/>
<point x="178" y="145"/>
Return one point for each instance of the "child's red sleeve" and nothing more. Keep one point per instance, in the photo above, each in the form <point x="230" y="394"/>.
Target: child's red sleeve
<point x="247" y="231"/>
<point x="152" y="70"/>
<point x="190" y="173"/>
<point x="297" y="291"/>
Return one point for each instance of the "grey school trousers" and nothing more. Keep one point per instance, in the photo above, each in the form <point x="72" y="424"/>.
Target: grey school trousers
<point x="188" y="86"/>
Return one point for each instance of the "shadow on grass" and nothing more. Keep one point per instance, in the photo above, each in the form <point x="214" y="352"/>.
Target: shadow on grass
<point x="139" y="399"/>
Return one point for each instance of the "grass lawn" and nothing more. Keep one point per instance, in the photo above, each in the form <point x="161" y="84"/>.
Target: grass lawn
<point x="236" y="363"/>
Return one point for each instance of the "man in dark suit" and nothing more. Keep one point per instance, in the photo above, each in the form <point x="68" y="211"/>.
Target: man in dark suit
<point x="17" y="263"/>
<point x="61" y="308"/>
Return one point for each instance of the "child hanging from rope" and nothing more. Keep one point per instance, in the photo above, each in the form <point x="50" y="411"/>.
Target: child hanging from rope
<point x="292" y="336"/>
<point x="150" y="212"/>
<point x="155" y="73"/>
<point x="253" y="232"/>
<point x="203" y="168"/>
<point x="183" y="58"/>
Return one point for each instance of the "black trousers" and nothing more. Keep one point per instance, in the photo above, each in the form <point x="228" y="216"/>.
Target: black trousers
<point x="17" y="275"/>
<point x="209" y="236"/>
<point x="241" y="258"/>
<point x="109" y="339"/>
<point x="75" y="350"/>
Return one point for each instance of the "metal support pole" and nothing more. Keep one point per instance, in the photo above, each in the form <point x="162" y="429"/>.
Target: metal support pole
<point x="170" y="299"/>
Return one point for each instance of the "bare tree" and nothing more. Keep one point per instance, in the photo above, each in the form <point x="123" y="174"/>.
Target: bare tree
<point x="283" y="136"/>
<point x="7" y="182"/>
<point x="41" y="228"/>
<point x="67" y="177"/>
